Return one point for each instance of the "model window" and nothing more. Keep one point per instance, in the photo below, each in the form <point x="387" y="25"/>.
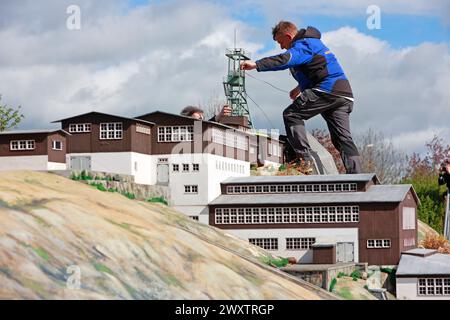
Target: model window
<point x="56" y="145"/>
<point x="185" y="167"/>
<point x="299" y="243"/>
<point x="111" y="130"/>
<point x="175" y="133"/>
<point x="294" y="188"/>
<point x="195" y="167"/>
<point x="18" y="145"/>
<point x="265" y="243"/>
<point x="175" y="167"/>
<point x="191" y="189"/>
<point x="79" y="127"/>
<point x="143" y="129"/>
<point x="266" y="189"/>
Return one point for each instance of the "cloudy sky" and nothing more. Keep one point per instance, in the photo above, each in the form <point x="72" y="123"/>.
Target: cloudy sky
<point x="131" y="57"/>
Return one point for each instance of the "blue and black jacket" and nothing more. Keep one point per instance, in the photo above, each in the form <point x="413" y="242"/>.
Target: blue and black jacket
<point x="311" y="63"/>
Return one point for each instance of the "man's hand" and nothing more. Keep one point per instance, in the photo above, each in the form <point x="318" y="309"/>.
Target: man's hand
<point x="226" y="111"/>
<point x="248" y="65"/>
<point x="294" y="93"/>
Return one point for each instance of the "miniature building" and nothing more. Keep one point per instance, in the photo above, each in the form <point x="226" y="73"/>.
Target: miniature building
<point x="109" y="143"/>
<point x="423" y="274"/>
<point x="366" y="221"/>
<point x="194" y="156"/>
<point x="33" y="150"/>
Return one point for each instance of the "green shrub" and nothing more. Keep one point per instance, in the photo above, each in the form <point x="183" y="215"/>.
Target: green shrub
<point x="113" y="190"/>
<point x="85" y="176"/>
<point x="99" y="186"/>
<point x="332" y="284"/>
<point x="158" y="199"/>
<point x="341" y="274"/>
<point x="356" y="274"/>
<point x="129" y="195"/>
<point x="282" y="168"/>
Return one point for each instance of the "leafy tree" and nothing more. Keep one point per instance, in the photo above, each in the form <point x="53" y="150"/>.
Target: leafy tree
<point x="9" y="117"/>
<point x="423" y="175"/>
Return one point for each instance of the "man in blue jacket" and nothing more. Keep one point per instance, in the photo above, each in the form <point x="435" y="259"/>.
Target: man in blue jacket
<point x="322" y="88"/>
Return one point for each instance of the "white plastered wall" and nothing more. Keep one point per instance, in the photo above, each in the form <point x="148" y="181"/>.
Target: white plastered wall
<point x="24" y="163"/>
<point x="322" y="235"/>
<point x="406" y="289"/>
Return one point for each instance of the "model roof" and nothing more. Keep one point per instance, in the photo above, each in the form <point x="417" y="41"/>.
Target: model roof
<point x="303" y="179"/>
<point x="104" y="114"/>
<point x="34" y="131"/>
<point x="413" y="265"/>
<point x="375" y="193"/>
<point x="207" y="121"/>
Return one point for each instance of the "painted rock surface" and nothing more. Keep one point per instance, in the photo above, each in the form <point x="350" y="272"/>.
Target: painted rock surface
<point x="61" y="239"/>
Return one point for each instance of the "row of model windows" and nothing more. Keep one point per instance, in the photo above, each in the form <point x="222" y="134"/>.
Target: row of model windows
<point x="79" y="127"/>
<point x="175" y="133"/>
<point x="274" y="149"/>
<point x="18" y="145"/>
<point x="292" y="188"/>
<point x="287" y="215"/>
<point x="229" y="139"/>
<point x="112" y="130"/>
<point x="434" y="286"/>
<point x="142" y="129"/>
<point x="191" y="189"/>
<point x="185" y="167"/>
<point x="378" y="243"/>
<point x="291" y="243"/>
<point x="230" y="167"/>
<point x="22" y="145"/>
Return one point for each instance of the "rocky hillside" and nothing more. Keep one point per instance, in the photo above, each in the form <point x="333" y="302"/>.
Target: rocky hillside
<point x="57" y="235"/>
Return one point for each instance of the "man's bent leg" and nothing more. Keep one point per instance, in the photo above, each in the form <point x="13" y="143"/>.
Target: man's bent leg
<point x="339" y="126"/>
<point x="306" y="106"/>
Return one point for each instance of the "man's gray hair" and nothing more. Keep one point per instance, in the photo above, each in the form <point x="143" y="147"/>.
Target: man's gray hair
<point x="190" y="110"/>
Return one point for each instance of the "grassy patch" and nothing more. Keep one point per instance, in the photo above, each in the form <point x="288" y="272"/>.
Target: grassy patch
<point x="102" y="268"/>
<point x="158" y="199"/>
<point x="41" y="253"/>
<point x="42" y="222"/>
<point x="345" y="293"/>
<point x="99" y="186"/>
<point x="271" y="261"/>
<point x="123" y="225"/>
<point x="129" y="195"/>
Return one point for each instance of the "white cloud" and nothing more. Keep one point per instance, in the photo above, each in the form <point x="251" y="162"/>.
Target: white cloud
<point x="166" y="56"/>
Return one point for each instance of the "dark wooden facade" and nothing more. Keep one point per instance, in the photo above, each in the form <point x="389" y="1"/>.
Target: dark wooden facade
<point x="203" y="140"/>
<point x="43" y="144"/>
<point x="376" y="221"/>
<point x="324" y="254"/>
<point x="90" y="142"/>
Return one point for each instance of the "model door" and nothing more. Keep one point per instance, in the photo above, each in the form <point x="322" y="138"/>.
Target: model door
<point x="80" y="163"/>
<point x="345" y="252"/>
<point x="162" y="174"/>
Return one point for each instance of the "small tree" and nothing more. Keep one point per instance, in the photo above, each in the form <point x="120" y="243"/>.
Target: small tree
<point x="379" y="155"/>
<point x="423" y="173"/>
<point x="212" y="106"/>
<point x="9" y="117"/>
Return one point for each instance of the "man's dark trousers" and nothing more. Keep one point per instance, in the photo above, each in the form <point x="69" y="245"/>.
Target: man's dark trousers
<point x="335" y="110"/>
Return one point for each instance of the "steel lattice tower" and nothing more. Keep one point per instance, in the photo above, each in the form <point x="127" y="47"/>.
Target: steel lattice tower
<point x="234" y="84"/>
